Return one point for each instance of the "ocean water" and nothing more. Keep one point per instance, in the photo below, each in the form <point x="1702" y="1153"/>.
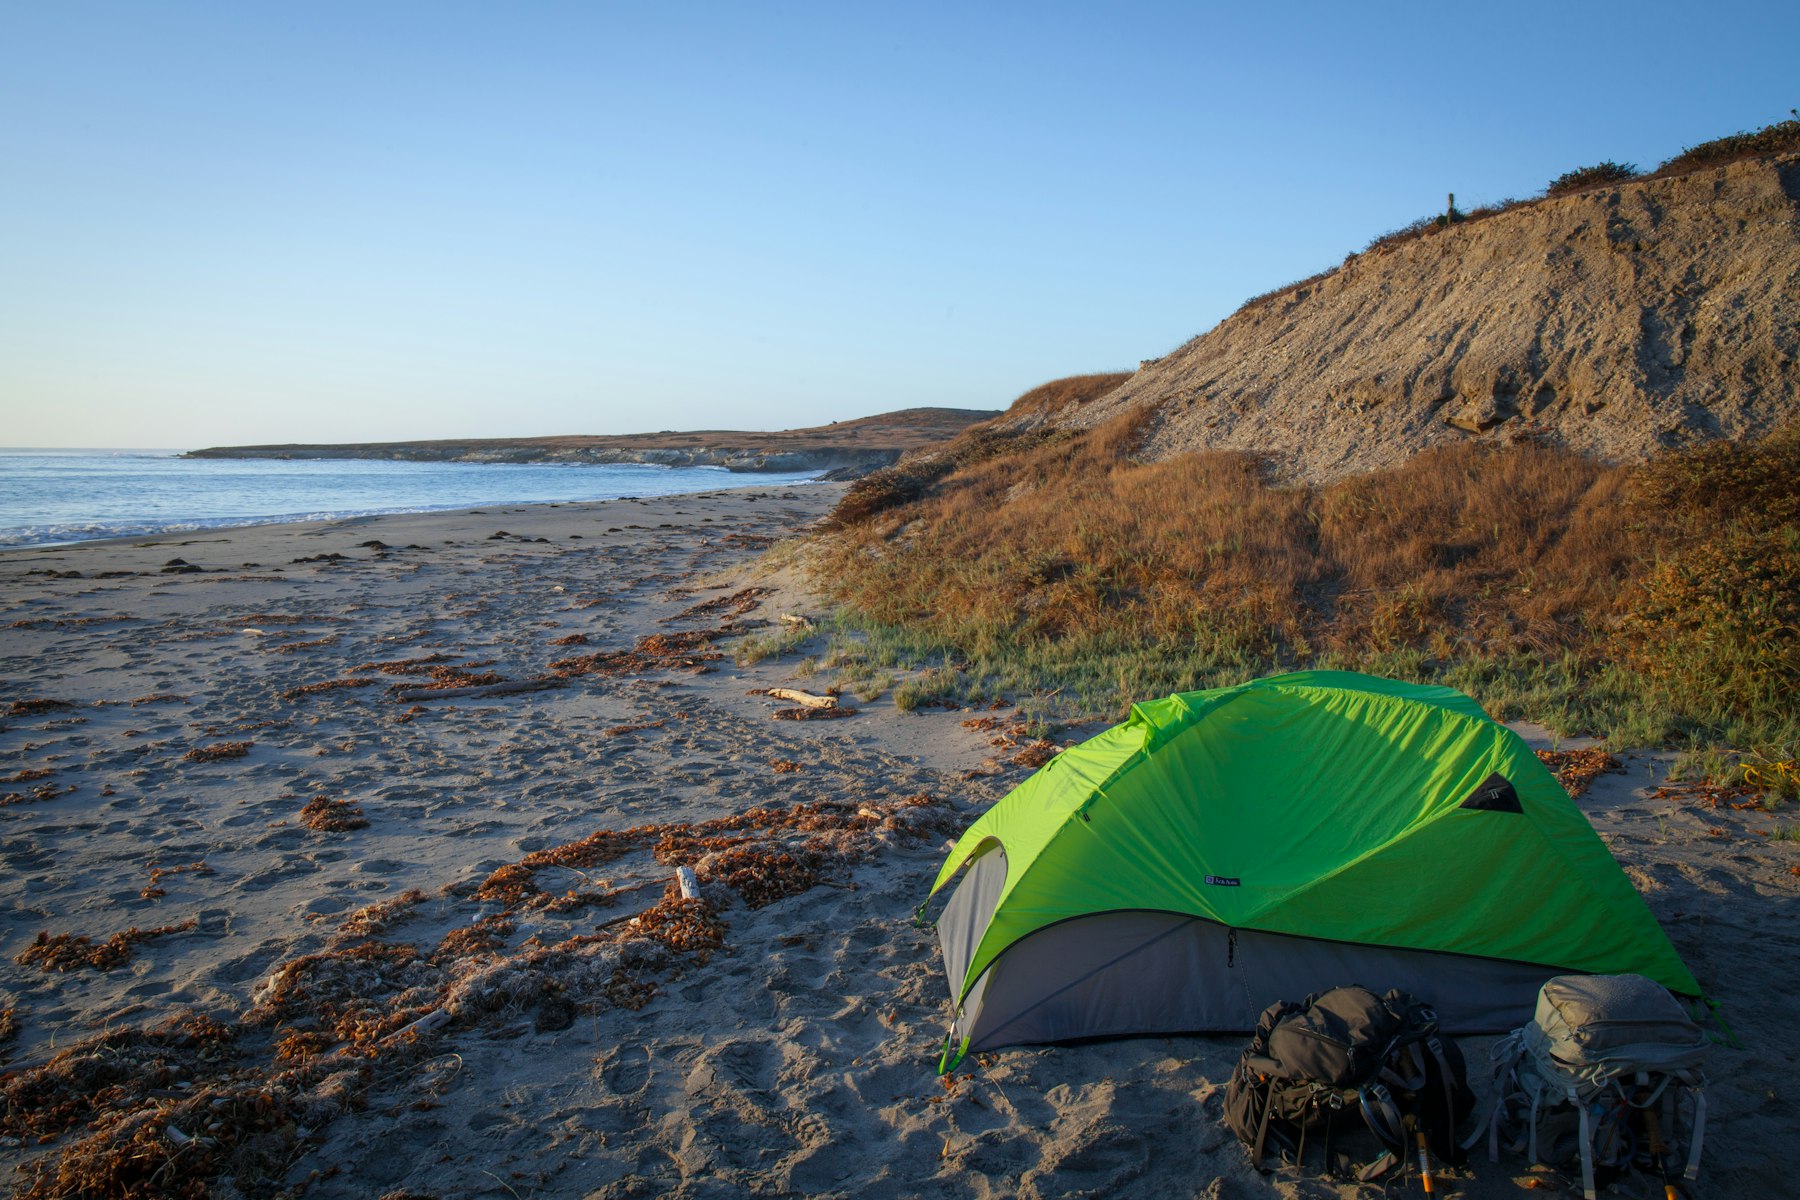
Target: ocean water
<point x="53" y="497"/>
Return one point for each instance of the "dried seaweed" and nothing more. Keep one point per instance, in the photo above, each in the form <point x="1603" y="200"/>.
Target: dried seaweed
<point x="784" y="766"/>
<point x="685" y="650"/>
<point x="327" y="685"/>
<point x="110" y="1071"/>
<point x="725" y="607"/>
<point x="328" y="815"/>
<point x="32" y="708"/>
<point x="573" y="639"/>
<point x="1036" y="754"/>
<point x="329" y="639"/>
<point x="219" y="752"/>
<point x="443" y="678"/>
<point x="374" y="919"/>
<point x="69" y="952"/>
<point x="813" y="714"/>
<point x="9" y="1025"/>
<point x="153" y="890"/>
<point x="402" y="666"/>
<point x="622" y="730"/>
<point x="1576" y="769"/>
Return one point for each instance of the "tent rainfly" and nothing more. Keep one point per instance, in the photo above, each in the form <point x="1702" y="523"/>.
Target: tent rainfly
<point x="1222" y="850"/>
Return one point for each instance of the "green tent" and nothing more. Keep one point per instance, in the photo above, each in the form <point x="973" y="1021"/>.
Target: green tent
<point x="1225" y="849"/>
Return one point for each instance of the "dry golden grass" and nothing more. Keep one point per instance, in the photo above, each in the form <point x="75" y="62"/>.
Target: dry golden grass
<point x="1687" y="568"/>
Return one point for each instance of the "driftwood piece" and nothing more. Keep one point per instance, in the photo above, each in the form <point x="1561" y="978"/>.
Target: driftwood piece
<point x="510" y="687"/>
<point x="806" y="698"/>
<point x="688" y="882"/>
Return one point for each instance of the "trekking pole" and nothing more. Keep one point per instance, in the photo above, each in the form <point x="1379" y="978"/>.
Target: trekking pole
<point x="1653" y="1128"/>
<point x="1418" y="1132"/>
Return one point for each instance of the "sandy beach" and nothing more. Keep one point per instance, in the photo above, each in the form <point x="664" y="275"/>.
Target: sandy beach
<point x="385" y="813"/>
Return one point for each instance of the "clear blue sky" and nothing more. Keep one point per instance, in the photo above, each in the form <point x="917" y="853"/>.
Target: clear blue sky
<point x="232" y="222"/>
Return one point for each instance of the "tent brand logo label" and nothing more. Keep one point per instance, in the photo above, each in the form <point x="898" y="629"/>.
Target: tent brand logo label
<point x="1222" y="881"/>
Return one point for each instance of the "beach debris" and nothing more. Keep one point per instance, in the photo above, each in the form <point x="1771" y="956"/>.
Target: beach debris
<point x="30" y="773"/>
<point x="573" y="639"/>
<point x="622" y="730"/>
<point x="325" y="685"/>
<point x="784" y="766"/>
<point x="402" y="666"/>
<point x="158" y="698"/>
<point x="813" y="714"/>
<point x="446" y="678"/>
<point x="1576" y="769"/>
<point x="169" y="1111"/>
<point x="153" y="890"/>
<point x="9" y="1025"/>
<point x="218" y="752"/>
<point x="807" y="699"/>
<point x="329" y="815"/>
<point x="321" y="558"/>
<point x="685" y="650"/>
<point x="796" y="621"/>
<point x="372" y="920"/>
<point x="329" y="639"/>
<point x="69" y="952"/>
<point x="181" y="566"/>
<point x="32" y="708"/>
<point x="727" y="608"/>
<point x="502" y="687"/>
<point x="35" y="795"/>
<point x="1037" y="754"/>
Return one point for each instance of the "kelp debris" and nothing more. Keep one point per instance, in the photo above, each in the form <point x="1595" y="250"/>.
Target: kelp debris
<point x="329" y="639"/>
<point x="573" y="639"/>
<point x="36" y="707"/>
<point x="622" y="730"/>
<point x="1576" y="769"/>
<point x="726" y="608"/>
<point x="325" y="685"/>
<point x="1037" y="754"/>
<point x="111" y="1071"/>
<point x="443" y="678"/>
<point x="218" y="752"/>
<point x="402" y="666"/>
<point x="684" y="650"/>
<point x="784" y="766"/>
<point x="69" y="952"/>
<point x="813" y="714"/>
<point x="328" y="815"/>
<point x="153" y="890"/>
<point x="374" y="919"/>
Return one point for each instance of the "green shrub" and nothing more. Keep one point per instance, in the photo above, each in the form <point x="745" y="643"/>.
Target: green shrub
<point x="1783" y="137"/>
<point x="1583" y="178"/>
<point x="1717" y="624"/>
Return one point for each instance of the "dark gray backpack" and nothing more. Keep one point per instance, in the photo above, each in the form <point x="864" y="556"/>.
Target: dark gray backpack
<point x="1608" y="1071"/>
<point x="1342" y="1061"/>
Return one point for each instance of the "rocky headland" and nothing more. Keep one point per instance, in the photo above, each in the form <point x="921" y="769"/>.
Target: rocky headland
<point x="844" y="449"/>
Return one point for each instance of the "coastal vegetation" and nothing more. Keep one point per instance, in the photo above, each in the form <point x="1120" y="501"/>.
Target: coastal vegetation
<point x="1076" y="559"/>
<point x="1651" y="604"/>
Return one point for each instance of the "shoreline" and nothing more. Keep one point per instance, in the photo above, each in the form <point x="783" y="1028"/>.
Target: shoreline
<point x="783" y="1043"/>
<point x="197" y="526"/>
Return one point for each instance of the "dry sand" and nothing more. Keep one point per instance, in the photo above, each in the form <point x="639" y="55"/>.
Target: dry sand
<point x="796" y="1059"/>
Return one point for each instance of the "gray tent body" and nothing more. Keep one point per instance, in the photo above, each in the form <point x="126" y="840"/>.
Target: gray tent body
<point x="1139" y="972"/>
